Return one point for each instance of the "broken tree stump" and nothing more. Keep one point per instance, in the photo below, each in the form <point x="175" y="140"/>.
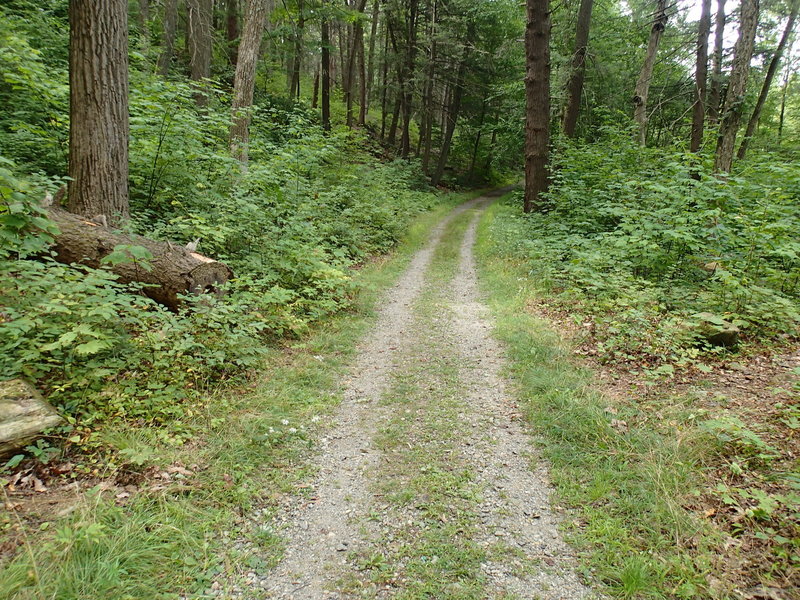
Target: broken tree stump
<point x="175" y="270"/>
<point x="24" y="414"/>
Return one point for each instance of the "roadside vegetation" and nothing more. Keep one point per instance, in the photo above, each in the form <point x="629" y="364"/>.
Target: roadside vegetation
<point x="683" y="481"/>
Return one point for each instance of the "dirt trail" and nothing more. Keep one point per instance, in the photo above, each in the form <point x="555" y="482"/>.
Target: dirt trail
<point x="325" y="530"/>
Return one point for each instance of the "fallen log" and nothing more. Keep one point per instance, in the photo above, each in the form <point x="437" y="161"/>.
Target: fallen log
<point x="23" y="415"/>
<point x="172" y="270"/>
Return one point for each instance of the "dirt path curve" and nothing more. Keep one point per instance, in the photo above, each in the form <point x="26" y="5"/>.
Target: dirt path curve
<point x="321" y="532"/>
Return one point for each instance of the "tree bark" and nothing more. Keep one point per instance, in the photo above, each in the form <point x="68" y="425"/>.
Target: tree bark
<point x="371" y="60"/>
<point x="144" y="24"/>
<point x="701" y="77"/>
<point x="575" y="85"/>
<point x="537" y="100"/>
<point x="98" y="130"/>
<point x="771" y="70"/>
<point x="715" y="91"/>
<point x="734" y="100"/>
<point x="326" y="72"/>
<point x="244" y="81"/>
<point x="200" y="38"/>
<point x="298" y="50"/>
<point x="170" y="28"/>
<point x="362" y="83"/>
<point x="174" y="270"/>
<point x="352" y="57"/>
<point x="786" y="78"/>
<point x="407" y="82"/>
<point x="232" y="30"/>
<point x="24" y="414"/>
<point x="646" y="74"/>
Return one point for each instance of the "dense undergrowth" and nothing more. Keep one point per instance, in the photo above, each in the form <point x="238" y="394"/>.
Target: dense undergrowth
<point x="637" y="248"/>
<point x="309" y="208"/>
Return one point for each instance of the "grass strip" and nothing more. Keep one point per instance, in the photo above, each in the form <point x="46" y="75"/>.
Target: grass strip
<point x="625" y="480"/>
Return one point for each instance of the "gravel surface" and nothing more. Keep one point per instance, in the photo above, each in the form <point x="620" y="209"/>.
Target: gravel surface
<point x="323" y="530"/>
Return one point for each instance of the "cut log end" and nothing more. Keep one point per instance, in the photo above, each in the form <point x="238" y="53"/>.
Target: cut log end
<point x="24" y="414"/>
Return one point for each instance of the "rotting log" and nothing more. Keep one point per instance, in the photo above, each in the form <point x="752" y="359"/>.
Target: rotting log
<point x="171" y="272"/>
<point x="23" y="415"/>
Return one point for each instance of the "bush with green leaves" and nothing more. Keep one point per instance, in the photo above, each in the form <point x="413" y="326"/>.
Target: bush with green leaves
<point x="642" y="240"/>
<point x="309" y="207"/>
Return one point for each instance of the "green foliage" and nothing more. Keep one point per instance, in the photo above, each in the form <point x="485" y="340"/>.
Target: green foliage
<point x="636" y="243"/>
<point x="307" y="210"/>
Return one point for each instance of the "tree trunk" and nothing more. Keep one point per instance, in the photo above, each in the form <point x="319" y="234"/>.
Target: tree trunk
<point x="255" y="20"/>
<point x="200" y="39"/>
<point x="786" y="78"/>
<point x="362" y="82"/>
<point x="315" y="92"/>
<point x="144" y="24"/>
<point x="170" y="28"/>
<point x="537" y="100"/>
<point x="326" y="72"/>
<point x="646" y="74"/>
<point x="173" y="270"/>
<point x="426" y="132"/>
<point x="98" y="100"/>
<point x="455" y="109"/>
<point x="385" y="78"/>
<point x="407" y="83"/>
<point x="232" y="30"/>
<point x="297" y="59"/>
<point x="701" y="77"/>
<point x="734" y="100"/>
<point x="771" y="70"/>
<point x="371" y="60"/>
<point x="392" y="137"/>
<point x="715" y="92"/>
<point x="575" y="85"/>
<point x="358" y="33"/>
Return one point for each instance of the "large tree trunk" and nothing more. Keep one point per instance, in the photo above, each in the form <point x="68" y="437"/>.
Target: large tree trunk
<point x="715" y="92"/>
<point x="537" y="100"/>
<point x="575" y="85"/>
<point x="254" y="22"/>
<point x="200" y="37"/>
<point x="646" y="74"/>
<point x="771" y="70"/>
<point x="734" y="100"/>
<point x="173" y="270"/>
<point x="701" y="77"/>
<point x="98" y="99"/>
<point x="170" y="27"/>
<point x="326" y="71"/>
<point x="232" y="29"/>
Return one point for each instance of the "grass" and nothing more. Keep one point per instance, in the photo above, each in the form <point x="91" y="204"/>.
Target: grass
<point x="167" y="543"/>
<point x="625" y="479"/>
